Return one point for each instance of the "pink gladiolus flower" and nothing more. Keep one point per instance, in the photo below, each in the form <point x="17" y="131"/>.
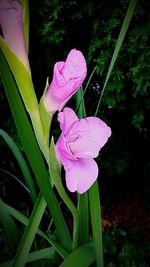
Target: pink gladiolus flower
<point x="11" y="22"/>
<point x="68" y="76"/>
<point x="80" y="142"/>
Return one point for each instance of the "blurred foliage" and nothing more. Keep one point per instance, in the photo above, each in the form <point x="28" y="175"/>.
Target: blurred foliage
<point x="124" y="250"/>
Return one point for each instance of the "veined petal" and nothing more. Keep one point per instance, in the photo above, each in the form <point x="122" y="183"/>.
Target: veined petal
<point x="99" y="132"/>
<point x="75" y="65"/>
<point x="68" y="76"/>
<point x="80" y="174"/>
<point x="66" y="119"/>
<point x="83" y="148"/>
<point x="63" y="148"/>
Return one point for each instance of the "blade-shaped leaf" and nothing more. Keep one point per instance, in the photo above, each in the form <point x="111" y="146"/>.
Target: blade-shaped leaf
<point x="30" y="231"/>
<point x="120" y="39"/>
<point x="82" y="257"/>
<point x="22" y="163"/>
<point x="9" y="229"/>
<point x="24" y="220"/>
<point x="45" y="253"/>
<point x="45" y="120"/>
<point x="33" y="153"/>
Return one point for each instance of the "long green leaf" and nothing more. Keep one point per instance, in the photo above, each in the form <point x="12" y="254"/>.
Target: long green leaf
<point x="24" y="220"/>
<point x="22" y="164"/>
<point x="95" y="211"/>
<point x="81" y="257"/>
<point x="33" y="153"/>
<point x="9" y="229"/>
<point x="120" y="39"/>
<point x="45" y="253"/>
<point x="80" y="96"/>
<point x="30" y="231"/>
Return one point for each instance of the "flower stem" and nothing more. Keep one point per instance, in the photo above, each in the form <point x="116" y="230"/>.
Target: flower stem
<point x="96" y="221"/>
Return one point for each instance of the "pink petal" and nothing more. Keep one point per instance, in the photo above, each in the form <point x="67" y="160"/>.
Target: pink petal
<point x="83" y="148"/>
<point x="99" y="132"/>
<point x="66" y="119"/>
<point x="80" y="174"/>
<point x="75" y="65"/>
<point x="87" y="136"/>
<point x="11" y="22"/>
<point x="67" y="79"/>
<point x="63" y="148"/>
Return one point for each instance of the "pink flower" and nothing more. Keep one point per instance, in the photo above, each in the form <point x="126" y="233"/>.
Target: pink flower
<point x="11" y="22"/>
<point x="68" y="76"/>
<point x="80" y="142"/>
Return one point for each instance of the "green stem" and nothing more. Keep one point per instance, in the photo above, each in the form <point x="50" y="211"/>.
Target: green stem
<point x="83" y="206"/>
<point x="96" y="221"/>
<point x="72" y="208"/>
<point x="83" y="226"/>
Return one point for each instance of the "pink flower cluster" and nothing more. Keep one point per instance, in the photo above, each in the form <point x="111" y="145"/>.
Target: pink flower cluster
<point x="81" y="139"/>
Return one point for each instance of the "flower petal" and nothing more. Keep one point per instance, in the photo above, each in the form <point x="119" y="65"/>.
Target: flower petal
<point x="75" y="66"/>
<point x="68" y="76"/>
<point x="63" y="148"/>
<point x="99" y="132"/>
<point x="83" y="148"/>
<point x="80" y="174"/>
<point x="66" y="119"/>
<point x="11" y="22"/>
<point x="87" y="136"/>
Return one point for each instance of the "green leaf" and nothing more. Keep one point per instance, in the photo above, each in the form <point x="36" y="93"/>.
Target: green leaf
<point x="24" y="220"/>
<point x="80" y="103"/>
<point x="30" y="231"/>
<point x="80" y="95"/>
<point x="33" y="153"/>
<point x="22" y="77"/>
<point x="96" y="222"/>
<point x="120" y="39"/>
<point x="22" y="164"/>
<point x="82" y="257"/>
<point x="9" y="229"/>
<point x="45" y="120"/>
<point x="45" y="253"/>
